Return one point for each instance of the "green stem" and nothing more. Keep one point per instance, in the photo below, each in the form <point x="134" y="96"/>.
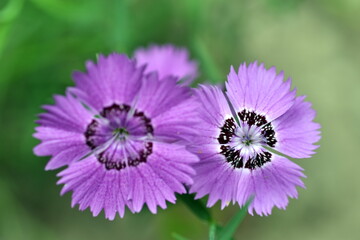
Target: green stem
<point x="212" y="231"/>
<point x="229" y="230"/>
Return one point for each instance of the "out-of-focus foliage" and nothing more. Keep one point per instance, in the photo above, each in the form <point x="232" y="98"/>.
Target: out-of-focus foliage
<point x="315" y="42"/>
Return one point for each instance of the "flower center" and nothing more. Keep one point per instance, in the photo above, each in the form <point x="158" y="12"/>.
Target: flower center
<point x="119" y="137"/>
<point x="121" y="131"/>
<point x="120" y="134"/>
<point x="247" y="140"/>
<point x="242" y="144"/>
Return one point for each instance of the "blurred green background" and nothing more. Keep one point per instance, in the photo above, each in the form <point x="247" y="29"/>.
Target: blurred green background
<point x="317" y="43"/>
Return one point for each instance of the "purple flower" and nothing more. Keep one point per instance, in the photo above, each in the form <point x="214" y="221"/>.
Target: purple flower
<point x="122" y="135"/>
<point x="168" y="60"/>
<point x="237" y="160"/>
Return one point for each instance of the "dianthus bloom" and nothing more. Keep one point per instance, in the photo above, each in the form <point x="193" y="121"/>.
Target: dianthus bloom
<point x="122" y="135"/>
<point x="168" y="60"/>
<point x="236" y="142"/>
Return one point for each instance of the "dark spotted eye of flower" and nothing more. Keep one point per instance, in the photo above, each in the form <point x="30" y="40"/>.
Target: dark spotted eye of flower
<point x="118" y="127"/>
<point x="267" y="130"/>
<point x="253" y="131"/>
<point x="227" y="131"/>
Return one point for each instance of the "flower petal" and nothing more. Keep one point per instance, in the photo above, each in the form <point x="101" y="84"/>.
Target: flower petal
<point x="62" y="132"/>
<point x="295" y="130"/>
<point x="271" y="185"/>
<point x="156" y="97"/>
<point x="114" y="79"/>
<point x="167" y="60"/>
<point x="153" y="182"/>
<point x="258" y="89"/>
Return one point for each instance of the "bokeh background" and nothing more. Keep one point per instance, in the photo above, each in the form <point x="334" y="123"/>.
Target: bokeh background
<point x="316" y="42"/>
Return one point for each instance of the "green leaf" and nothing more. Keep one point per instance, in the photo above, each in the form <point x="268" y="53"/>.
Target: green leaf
<point x="121" y="35"/>
<point x="70" y="11"/>
<point x="11" y="11"/>
<point x="228" y="231"/>
<point x="194" y="14"/>
<point x="4" y="30"/>
<point x="196" y="206"/>
<point x="8" y="14"/>
<point x="178" y="237"/>
<point x="207" y="61"/>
